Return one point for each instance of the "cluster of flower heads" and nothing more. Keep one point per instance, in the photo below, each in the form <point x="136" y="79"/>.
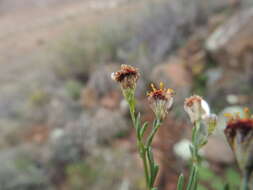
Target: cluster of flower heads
<point x="160" y="100"/>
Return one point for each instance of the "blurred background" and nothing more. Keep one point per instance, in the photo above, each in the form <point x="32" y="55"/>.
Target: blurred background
<point x="63" y="122"/>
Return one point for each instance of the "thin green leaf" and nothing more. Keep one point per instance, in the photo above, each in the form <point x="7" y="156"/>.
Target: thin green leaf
<point x="191" y="181"/>
<point x="143" y="129"/>
<point x="195" y="182"/>
<point x="138" y="125"/>
<point x="180" y="183"/>
<point x="150" y="156"/>
<point x="154" y="173"/>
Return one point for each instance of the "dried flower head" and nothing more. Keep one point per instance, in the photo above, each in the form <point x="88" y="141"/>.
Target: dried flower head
<point x="127" y="76"/>
<point x="239" y="134"/>
<point x="196" y="107"/>
<point x="160" y="100"/>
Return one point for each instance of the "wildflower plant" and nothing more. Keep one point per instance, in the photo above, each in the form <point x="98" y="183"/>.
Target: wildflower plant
<point x="204" y="124"/>
<point x="239" y="134"/>
<point x="160" y="101"/>
<point x="239" y="130"/>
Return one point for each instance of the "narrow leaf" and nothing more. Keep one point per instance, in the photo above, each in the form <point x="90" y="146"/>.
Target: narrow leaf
<point x="143" y="129"/>
<point x="180" y="183"/>
<point x="138" y="125"/>
<point x="191" y="181"/>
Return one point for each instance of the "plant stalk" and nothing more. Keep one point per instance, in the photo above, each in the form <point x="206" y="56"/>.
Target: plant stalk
<point x="246" y="180"/>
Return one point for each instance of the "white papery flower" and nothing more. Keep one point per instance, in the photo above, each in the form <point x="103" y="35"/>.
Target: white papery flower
<point x="197" y="108"/>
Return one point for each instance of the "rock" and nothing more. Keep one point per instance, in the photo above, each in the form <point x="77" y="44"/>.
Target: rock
<point x="231" y="47"/>
<point x="174" y="75"/>
<point x="232" y="41"/>
<point x="173" y="23"/>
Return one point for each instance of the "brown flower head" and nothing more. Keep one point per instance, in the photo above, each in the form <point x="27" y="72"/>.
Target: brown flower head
<point x="160" y="100"/>
<point x="127" y="76"/>
<point x="239" y="134"/>
<point x="196" y="107"/>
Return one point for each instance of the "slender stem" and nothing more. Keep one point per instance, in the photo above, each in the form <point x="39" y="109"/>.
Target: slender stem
<point x="193" y="181"/>
<point x="245" y="181"/>
<point x="132" y="113"/>
<point x="141" y="147"/>
<point x="145" y="165"/>
<point x="150" y="168"/>
<point x="153" y="132"/>
<point x="195" y="143"/>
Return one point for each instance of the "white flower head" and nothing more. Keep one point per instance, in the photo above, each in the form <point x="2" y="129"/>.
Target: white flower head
<point x="196" y="107"/>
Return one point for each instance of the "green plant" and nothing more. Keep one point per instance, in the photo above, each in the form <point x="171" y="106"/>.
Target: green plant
<point x="204" y="124"/>
<point x="160" y="100"/>
<point x="239" y="133"/>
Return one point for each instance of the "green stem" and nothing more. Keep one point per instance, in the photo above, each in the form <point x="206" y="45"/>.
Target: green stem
<point x="156" y="126"/>
<point x="150" y="168"/>
<point x="132" y="110"/>
<point x="145" y="165"/>
<point x="245" y="181"/>
<point x="141" y="147"/>
<point x="195" y="143"/>
<point x="193" y="179"/>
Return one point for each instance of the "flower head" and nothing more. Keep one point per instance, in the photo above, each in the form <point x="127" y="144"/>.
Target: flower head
<point x="127" y="76"/>
<point x="196" y="107"/>
<point x="239" y="134"/>
<point x="160" y="100"/>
